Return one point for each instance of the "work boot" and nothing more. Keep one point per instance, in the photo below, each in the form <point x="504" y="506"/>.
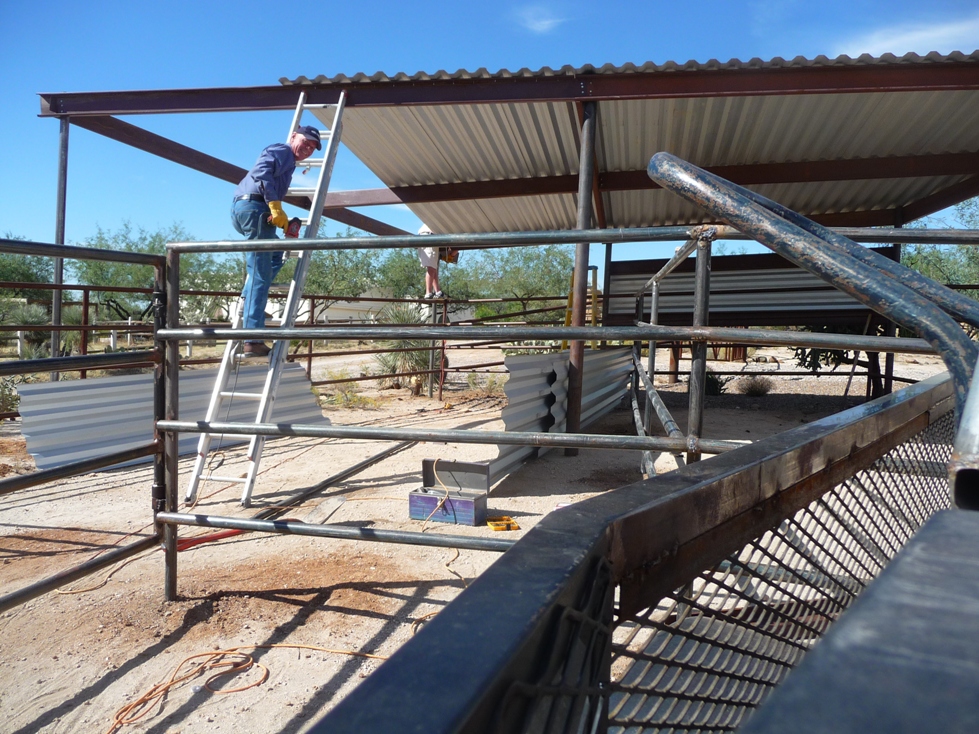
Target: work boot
<point x="256" y="349"/>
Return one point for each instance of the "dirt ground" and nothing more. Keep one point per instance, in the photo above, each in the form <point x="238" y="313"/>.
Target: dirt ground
<point x="308" y="618"/>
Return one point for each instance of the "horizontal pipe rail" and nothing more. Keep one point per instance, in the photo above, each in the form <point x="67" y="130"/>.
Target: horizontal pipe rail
<point x="136" y="328"/>
<point x="84" y="362"/>
<point x="22" y="596"/>
<point x="467" y="241"/>
<point x="562" y="237"/>
<point x="24" y="247"/>
<point x="293" y="527"/>
<point x="23" y="481"/>
<point x="681" y="254"/>
<point x="641" y="332"/>
<point x="553" y="440"/>
<point x="662" y="412"/>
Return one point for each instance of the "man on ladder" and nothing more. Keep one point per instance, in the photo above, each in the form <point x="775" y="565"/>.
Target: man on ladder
<point x="256" y="211"/>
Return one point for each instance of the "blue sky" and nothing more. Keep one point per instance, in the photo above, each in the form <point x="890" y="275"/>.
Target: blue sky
<point x="53" y="46"/>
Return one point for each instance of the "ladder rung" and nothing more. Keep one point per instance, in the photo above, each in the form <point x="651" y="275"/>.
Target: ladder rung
<point x="219" y="478"/>
<point x="311" y="163"/>
<point x="301" y="192"/>
<point x="250" y="395"/>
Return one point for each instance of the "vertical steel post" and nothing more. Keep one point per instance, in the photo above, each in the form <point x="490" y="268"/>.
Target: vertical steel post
<point x="607" y="285"/>
<point x="309" y="353"/>
<point x="698" y="349"/>
<point x="576" y="358"/>
<point x="431" y="353"/>
<point x="159" y="492"/>
<point x="891" y="330"/>
<point x="84" y="336"/>
<point x="172" y="367"/>
<point x="651" y="358"/>
<point x="59" y="239"/>
<point x="637" y="350"/>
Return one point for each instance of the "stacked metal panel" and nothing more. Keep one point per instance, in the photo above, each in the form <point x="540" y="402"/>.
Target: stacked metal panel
<point x="537" y="402"/>
<point x="74" y="420"/>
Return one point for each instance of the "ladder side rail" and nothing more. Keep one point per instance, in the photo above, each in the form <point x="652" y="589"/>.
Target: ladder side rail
<point x="297" y="115"/>
<point x="326" y="173"/>
<point x="213" y="408"/>
<point x="280" y="350"/>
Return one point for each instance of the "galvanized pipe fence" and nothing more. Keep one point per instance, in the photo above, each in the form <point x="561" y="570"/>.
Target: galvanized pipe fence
<point x="698" y="334"/>
<point x="56" y="365"/>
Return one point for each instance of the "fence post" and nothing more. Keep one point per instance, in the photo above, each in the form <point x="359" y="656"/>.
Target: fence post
<point x="84" y="337"/>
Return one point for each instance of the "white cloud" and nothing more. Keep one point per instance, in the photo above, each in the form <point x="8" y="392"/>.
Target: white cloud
<point x="538" y="19"/>
<point x="958" y="35"/>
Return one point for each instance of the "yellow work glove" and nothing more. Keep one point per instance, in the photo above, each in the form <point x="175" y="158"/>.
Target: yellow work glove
<point x="278" y="218"/>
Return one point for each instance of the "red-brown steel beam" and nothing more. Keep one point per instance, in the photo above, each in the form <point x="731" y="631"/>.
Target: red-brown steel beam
<point x="941" y="199"/>
<point x="948" y="164"/>
<point x="163" y="147"/>
<point x="823" y="79"/>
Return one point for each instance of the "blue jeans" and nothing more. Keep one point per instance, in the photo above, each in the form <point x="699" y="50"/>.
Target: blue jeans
<point x="250" y="218"/>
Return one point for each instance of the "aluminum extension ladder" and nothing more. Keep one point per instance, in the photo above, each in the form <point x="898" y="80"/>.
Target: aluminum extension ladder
<point x="233" y="349"/>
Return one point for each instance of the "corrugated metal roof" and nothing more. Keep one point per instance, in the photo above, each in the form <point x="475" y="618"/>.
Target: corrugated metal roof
<point x="415" y="145"/>
<point x="73" y="420"/>
<point x="670" y="66"/>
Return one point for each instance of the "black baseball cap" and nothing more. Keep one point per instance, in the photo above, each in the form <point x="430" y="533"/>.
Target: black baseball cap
<point x="310" y="133"/>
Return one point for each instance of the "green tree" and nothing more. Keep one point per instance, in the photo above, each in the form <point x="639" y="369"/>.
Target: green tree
<point x="25" y="269"/>
<point x="198" y="271"/>
<point x="341" y="273"/>
<point x="400" y="271"/>
<point x="524" y="273"/>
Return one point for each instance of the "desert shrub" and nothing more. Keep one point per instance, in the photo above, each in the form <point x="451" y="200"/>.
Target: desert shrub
<point x="32" y="314"/>
<point x="398" y="363"/>
<point x="344" y="394"/>
<point x="9" y="398"/>
<point x="754" y="386"/>
<point x="491" y="385"/>
<point x="714" y="384"/>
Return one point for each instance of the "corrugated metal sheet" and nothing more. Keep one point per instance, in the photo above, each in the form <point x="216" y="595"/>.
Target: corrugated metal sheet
<point x="73" y="420"/>
<point x="746" y="290"/>
<point x="537" y="401"/>
<point x="605" y="382"/>
<point x="670" y="66"/>
<point x="437" y="144"/>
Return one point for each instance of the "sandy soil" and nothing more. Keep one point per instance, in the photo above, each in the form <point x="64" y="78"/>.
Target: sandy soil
<point x="315" y="616"/>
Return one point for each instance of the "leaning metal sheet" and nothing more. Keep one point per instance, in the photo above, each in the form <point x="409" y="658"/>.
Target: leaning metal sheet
<point x="708" y="654"/>
<point x="73" y="420"/>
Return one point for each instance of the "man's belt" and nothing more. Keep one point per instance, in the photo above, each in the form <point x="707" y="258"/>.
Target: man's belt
<point x="251" y="197"/>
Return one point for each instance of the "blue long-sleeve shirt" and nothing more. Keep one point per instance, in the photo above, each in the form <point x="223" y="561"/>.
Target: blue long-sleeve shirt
<point x="271" y="175"/>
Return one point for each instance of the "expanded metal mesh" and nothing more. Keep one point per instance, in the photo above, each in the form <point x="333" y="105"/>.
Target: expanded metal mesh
<point x="568" y="695"/>
<point x="706" y="655"/>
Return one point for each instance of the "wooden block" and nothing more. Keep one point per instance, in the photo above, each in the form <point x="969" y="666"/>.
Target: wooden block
<point x="461" y="506"/>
